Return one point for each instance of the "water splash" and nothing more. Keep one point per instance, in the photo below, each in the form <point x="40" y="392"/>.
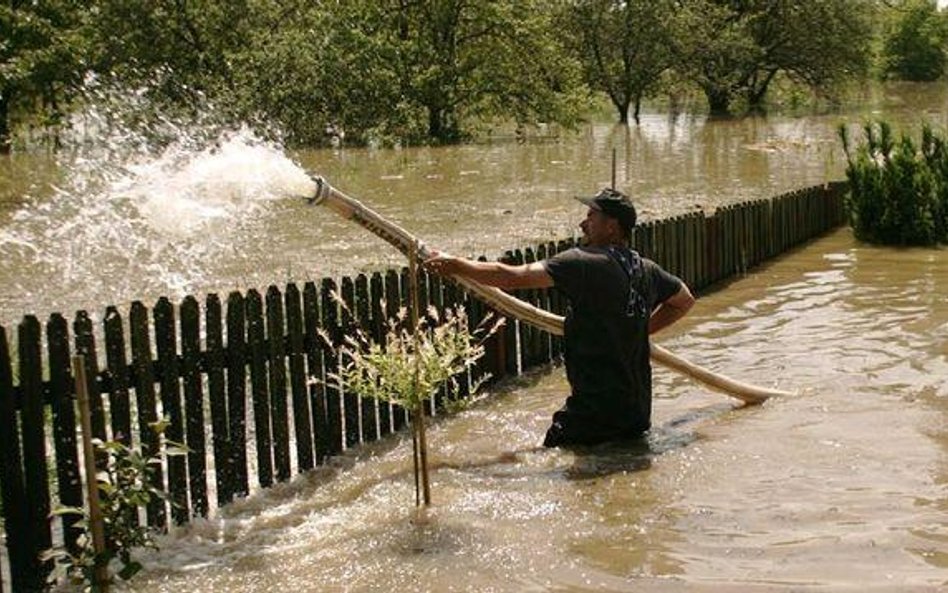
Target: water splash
<point x="141" y="212"/>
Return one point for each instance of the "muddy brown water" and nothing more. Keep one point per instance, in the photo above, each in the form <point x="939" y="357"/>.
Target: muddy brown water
<point x="841" y="487"/>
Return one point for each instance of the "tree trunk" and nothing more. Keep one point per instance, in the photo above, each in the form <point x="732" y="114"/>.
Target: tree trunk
<point x="5" y="140"/>
<point x="435" y="123"/>
<point x="719" y="101"/>
<point x="638" y="109"/>
<point x="622" y="106"/>
<point x="756" y="94"/>
<point x="441" y="125"/>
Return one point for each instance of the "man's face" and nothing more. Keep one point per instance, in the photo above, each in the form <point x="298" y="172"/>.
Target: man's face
<point x="598" y="229"/>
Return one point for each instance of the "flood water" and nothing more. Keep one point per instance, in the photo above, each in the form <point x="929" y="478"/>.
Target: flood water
<point x="841" y="487"/>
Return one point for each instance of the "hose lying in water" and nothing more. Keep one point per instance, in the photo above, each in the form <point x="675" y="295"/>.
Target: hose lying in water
<point x="352" y="209"/>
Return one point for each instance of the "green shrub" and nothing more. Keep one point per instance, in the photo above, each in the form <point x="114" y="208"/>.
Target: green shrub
<point x="898" y="193"/>
<point x="125" y="487"/>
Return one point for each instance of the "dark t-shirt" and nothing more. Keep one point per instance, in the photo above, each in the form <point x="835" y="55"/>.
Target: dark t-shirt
<point x="606" y="343"/>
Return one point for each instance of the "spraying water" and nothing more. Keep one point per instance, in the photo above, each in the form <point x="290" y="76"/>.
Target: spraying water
<point x="138" y="216"/>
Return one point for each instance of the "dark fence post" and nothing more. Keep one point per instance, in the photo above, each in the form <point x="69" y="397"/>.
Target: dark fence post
<point x="170" y="389"/>
<point x="85" y="345"/>
<point x="260" y="396"/>
<point x="237" y="391"/>
<point x="328" y="309"/>
<point x="217" y="394"/>
<point x="61" y="403"/>
<point x="119" y="408"/>
<point x="194" y="405"/>
<point x="379" y="306"/>
<point x="301" y="412"/>
<point x="32" y="424"/>
<point x="146" y="400"/>
<point x="278" y="393"/>
<point x="350" y="400"/>
<point x="12" y="485"/>
<point x="363" y="319"/>
<point x="393" y="302"/>
<point x="314" y="359"/>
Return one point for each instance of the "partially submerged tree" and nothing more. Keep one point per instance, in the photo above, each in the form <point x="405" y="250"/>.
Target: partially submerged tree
<point x="736" y="48"/>
<point x="457" y="60"/>
<point x="624" y="47"/>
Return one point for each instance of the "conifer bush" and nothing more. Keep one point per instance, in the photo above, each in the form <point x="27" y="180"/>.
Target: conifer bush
<point x="898" y="192"/>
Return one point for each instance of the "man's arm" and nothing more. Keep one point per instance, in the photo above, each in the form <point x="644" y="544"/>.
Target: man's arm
<point x="532" y="275"/>
<point x="671" y="310"/>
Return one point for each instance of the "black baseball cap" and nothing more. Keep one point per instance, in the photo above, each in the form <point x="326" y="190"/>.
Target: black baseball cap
<point x="615" y="204"/>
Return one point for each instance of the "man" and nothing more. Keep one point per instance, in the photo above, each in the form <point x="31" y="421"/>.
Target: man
<point x="616" y="299"/>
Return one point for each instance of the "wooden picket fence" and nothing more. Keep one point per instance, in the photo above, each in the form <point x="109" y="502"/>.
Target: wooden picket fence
<point x="242" y="383"/>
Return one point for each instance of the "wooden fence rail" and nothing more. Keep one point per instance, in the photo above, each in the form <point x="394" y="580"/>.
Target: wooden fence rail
<point x="243" y="385"/>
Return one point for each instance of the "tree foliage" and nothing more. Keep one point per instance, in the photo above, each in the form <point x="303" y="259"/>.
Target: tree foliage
<point x="41" y="61"/>
<point x="916" y="42"/>
<point x="737" y="48"/>
<point x="623" y="47"/>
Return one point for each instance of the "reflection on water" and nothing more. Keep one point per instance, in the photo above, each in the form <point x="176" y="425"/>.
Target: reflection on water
<point x="839" y="488"/>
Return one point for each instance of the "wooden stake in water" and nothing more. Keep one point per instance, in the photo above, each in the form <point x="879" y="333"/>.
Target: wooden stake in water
<point x="419" y="442"/>
<point x="96" y="521"/>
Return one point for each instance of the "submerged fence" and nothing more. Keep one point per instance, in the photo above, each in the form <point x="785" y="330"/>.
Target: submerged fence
<point x="242" y="383"/>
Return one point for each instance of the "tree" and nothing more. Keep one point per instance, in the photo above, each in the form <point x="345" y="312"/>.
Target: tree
<point x="41" y="57"/>
<point x="737" y="48"/>
<point x="915" y="46"/>
<point x="623" y="46"/>
<point x="459" y="60"/>
<point x="175" y="54"/>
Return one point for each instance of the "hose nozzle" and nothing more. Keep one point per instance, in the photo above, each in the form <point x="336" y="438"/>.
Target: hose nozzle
<point x="322" y="190"/>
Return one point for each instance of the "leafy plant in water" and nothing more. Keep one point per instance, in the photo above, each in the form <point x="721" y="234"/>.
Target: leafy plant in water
<point x="898" y="193"/>
<point x="442" y="351"/>
<point x="409" y="367"/>
<point x="126" y="485"/>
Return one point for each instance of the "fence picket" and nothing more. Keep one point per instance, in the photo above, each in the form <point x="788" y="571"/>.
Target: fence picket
<point x="237" y="391"/>
<point x="145" y="400"/>
<point x="260" y="395"/>
<point x="350" y="400"/>
<point x="12" y="485"/>
<point x="367" y="405"/>
<point x="276" y="353"/>
<point x="377" y="332"/>
<point x="85" y="346"/>
<point x="62" y="407"/>
<point x="119" y="408"/>
<point x="194" y="405"/>
<point x="301" y="413"/>
<point x="172" y="410"/>
<point x="329" y="312"/>
<point x="314" y="361"/>
<point x="32" y="427"/>
<point x="217" y="394"/>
